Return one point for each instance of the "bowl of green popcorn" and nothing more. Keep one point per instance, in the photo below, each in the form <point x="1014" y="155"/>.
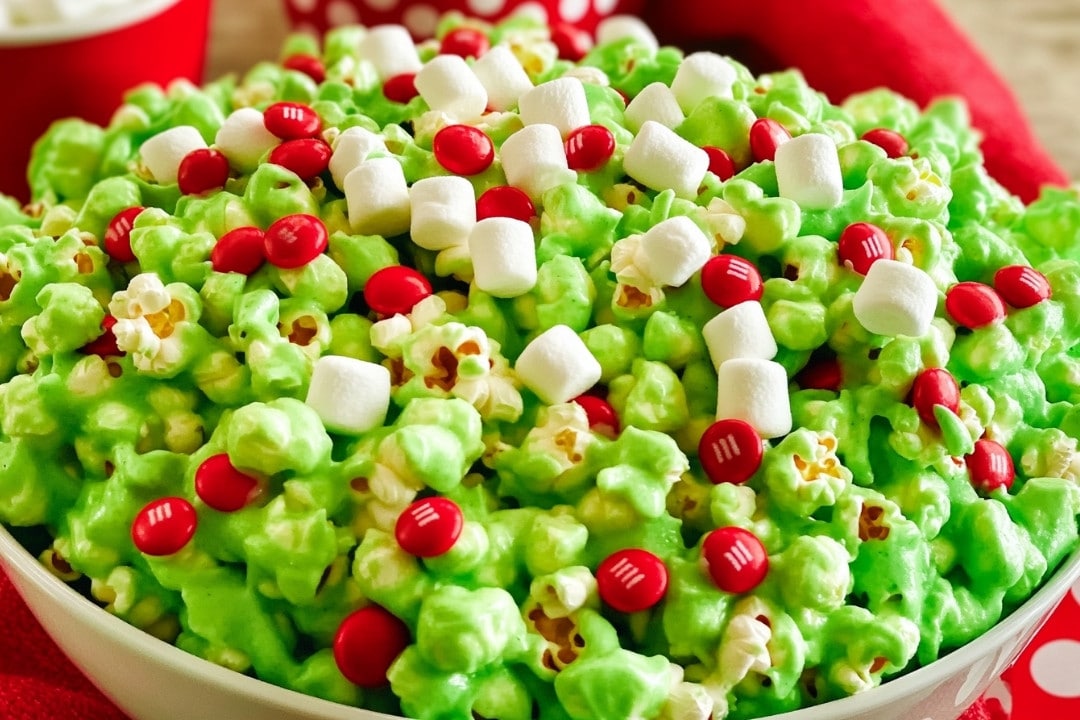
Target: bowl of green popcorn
<point x="382" y="379"/>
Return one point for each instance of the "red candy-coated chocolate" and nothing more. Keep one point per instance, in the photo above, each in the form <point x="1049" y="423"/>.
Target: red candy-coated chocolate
<point x="307" y="157"/>
<point x="974" y="305"/>
<point x="202" y="170"/>
<point x="104" y="345"/>
<point x="720" y="163"/>
<point x="466" y="42"/>
<point x="241" y="250"/>
<point x="164" y="526"/>
<point x="1022" y="286"/>
<point x="736" y="559"/>
<point x="990" y="466"/>
<point x="824" y="374"/>
<point x="308" y="64"/>
<point x="463" y="149"/>
<point x="602" y="416"/>
<point x="429" y="527"/>
<point x="117" y="240"/>
<point x="730" y="451"/>
<point x="295" y="240"/>
<point x="632" y="580"/>
<point x="224" y="488"/>
<point x="932" y="387"/>
<point x="400" y="88"/>
<point x="862" y="244"/>
<point x="572" y="42"/>
<point x="588" y="148"/>
<point x="893" y="143"/>
<point x="292" y="121"/>
<point x="728" y="280"/>
<point x="395" y="289"/>
<point x="505" y="201"/>
<point x="765" y="136"/>
<point x="367" y="643"/>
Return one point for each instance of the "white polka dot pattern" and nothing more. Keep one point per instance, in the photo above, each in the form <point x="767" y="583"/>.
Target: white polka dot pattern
<point x="486" y="7"/>
<point x="1054" y="668"/>
<point x="303" y="6"/>
<point x="421" y="20"/>
<point x="573" y="10"/>
<point x="536" y="11"/>
<point x="342" y="12"/>
<point x="605" y="7"/>
<point x="381" y="5"/>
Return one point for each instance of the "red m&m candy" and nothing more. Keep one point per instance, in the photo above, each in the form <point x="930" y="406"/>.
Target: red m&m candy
<point x="464" y="41"/>
<point x="1021" y="286"/>
<point x="395" y="289"/>
<point x="292" y="121"/>
<point x="104" y="345"/>
<point x="933" y="387"/>
<point x="588" y="148"/>
<point x="572" y="42"/>
<point x="728" y="280"/>
<point x="429" y="527"/>
<point x="463" y="149"/>
<point x="367" y="643"/>
<point x="241" y="250"/>
<point x="730" y="451"/>
<point x="202" y="170"/>
<point x="224" y="488"/>
<point x="505" y="201"/>
<point x="862" y="244"/>
<point x="736" y="559"/>
<point x="310" y="65"/>
<point x="720" y="163"/>
<point x="164" y="526"/>
<point x="825" y="374"/>
<point x="990" y="466"/>
<point x="602" y="416"/>
<point x="765" y="136"/>
<point x="632" y="580"/>
<point x="307" y="157"/>
<point x="117" y="240"/>
<point x="893" y="143"/>
<point x="295" y="240"/>
<point x="974" y="305"/>
<point x="400" y="88"/>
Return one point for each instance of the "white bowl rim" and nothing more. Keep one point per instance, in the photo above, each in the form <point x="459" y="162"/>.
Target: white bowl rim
<point x="31" y="570"/>
<point x="99" y="23"/>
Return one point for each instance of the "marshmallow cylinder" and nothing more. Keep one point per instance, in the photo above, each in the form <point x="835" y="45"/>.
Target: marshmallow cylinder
<point x="351" y="148"/>
<point x="448" y="85"/>
<point x="351" y="396"/>
<point x="895" y="298"/>
<point x="674" y="250"/>
<point x="163" y="153"/>
<point x="557" y="366"/>
<point x="702" y="75"/>
<point x="741" y="331"/>
<point x="661" y="160"/>
<point x="503" y="77"/>
<point x="503" y="255"/>
<point x="391" y="50"/>
<point x="755" y="391"/>
<point x="377" y="198"/>
<point x="655" y="102"/>
<point x="443" y="211"/>
<point x="560" y="102"/>
<point x="808" y="171"/>
<point x="534" y="159"/>
<point x="622" y="27"/>
<point x="244" y="139"/>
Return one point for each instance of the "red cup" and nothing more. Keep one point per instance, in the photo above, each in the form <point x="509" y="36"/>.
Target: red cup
<point x="83" y="70"/>
<point x="420" y="16"/>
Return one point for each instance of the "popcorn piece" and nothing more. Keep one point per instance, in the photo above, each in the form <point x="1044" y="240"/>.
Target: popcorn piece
<point x="378" y="198"/>
<point x="702" y="75"/>
<point x="244" y="139"/>
<point x="808" y="171"/>
<point x="504" y="256"/>
<point x="534" y="160"/>
<point x="756" y="391"/>
<point x="661" y="160"/>
<point x="741" y="331"/>
<point x="352" y="147"/>
<point x="163" y="152"/>
<point x="448" y="85"/>
<point x="351" y="396"/>
<point x="557" y="366"/>
<point x="674" y="250"/>
<point x="390" y="49"/>
<point x="655" y="102"/>
<point x="560" y="102"/>
<point x="896" y="299"/>
<point x="443" y="211"/>
<point x="503" y="77"/>
<point x="619" y="27"/>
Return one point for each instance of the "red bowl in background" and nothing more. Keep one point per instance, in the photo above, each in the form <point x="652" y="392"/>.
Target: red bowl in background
<point x="83" y="69"/>
<point x="420" y="16"/>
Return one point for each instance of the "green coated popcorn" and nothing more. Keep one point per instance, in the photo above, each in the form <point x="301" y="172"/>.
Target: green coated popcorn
<point x="628" y="550"/>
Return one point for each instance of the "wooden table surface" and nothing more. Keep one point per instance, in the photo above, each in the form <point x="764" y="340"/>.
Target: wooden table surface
<point x="1035" y="44"/>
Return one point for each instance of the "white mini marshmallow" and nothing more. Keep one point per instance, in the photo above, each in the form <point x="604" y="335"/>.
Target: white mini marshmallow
<point x="534" y="159"/>
<point x="377" y="198"/>
<point x="755" y="391"/>
<point x="702" y="75"/>
<point x="351" y="396"/>
<point x="741" y="331"/>
<point x="655" y="102"/>
<point x="659" y="159"/>
<point x="503" y="255"/>
<point x="674" y="250"/>
<point x="351" y="148"/>
<point x="560" y="102"/>
<point x="503" y="77"/>
<point x="391" y="50"/>
<point x="443" y="211"/>
<point x="449" y="85"/>
<point x="808" y="171"/>
<point x="244" y="139"/>
<point x="618" y="27"/>
<point x="557" y="366"/>
<point x="895" y="298"/>
<point x="163" y="153"/>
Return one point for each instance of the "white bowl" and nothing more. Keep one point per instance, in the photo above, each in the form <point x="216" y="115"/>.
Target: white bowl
<point x="152" y="680"/>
